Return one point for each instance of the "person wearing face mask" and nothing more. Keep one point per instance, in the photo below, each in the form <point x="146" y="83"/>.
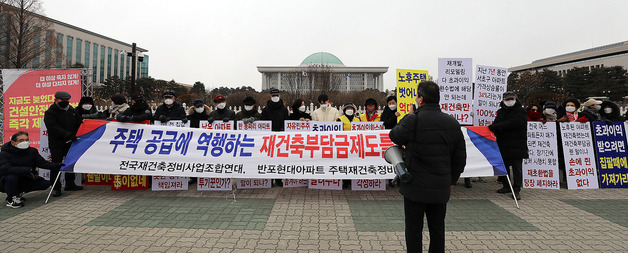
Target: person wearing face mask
<point x="275" y="111"/>
<point x="591" y="110"/>
<point x="510" y="128"/>
<point x="371" y="114"/>
<point x="198" y="112"/>
<point x="62" y="121"/>
<point x="349" y="116"/>
<point x="119" y="106"/>
<point x="298" y="111"/>
<point x="534" y="112"/>
<point x="170" y="109"/>
<point x="87" y="110"/>
<point x="249" y="110"/>
<point x="610" y="112"/>
<point x="137" y="112"/>
<point x="221" y="112"/>
<point x="390" y="114"/>
<point x="549" y="112"/>
<point x="570" y="112"/>
<point x="325" y="112"/>
<point x="18" y="169"/>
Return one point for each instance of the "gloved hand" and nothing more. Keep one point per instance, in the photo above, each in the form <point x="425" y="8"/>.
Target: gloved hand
<point x="123" y="118"/>
<point x="582" y="120"/>
<point x="135" y="119"/>
<point x="59" y="165"/>
<point x="184" y="120"/>
<point x="226" y="120"/>
<point x="109" y="118"/>
<point x="73" y="138"/>
<point x="252" y="119"/>
<point x="210" y="120"/>
<point x="163" y="118"/>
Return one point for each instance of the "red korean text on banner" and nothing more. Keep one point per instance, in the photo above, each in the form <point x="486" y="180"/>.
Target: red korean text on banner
<point x="129" y="182"/>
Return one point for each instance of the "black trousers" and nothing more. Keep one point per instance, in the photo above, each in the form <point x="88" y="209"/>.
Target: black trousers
<point x="57" y="154"/>
<point x="14" y="184"/>
<point x="435" y="214"/>
<point x="517" y="173"/>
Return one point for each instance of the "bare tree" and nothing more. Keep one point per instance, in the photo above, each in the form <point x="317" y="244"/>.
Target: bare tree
<point x="27" y="36"/>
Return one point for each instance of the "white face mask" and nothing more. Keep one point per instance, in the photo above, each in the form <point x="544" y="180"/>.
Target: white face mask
<point x="570" y="109"/>
<point x="248" y="107"/>
<point x="608" y="110"/>
<point x="392" y="107"/>
<point x="275" y="99"/>
<point x="199" y="110"/>
<point x="598" y="107"/>
<point x="302" y="108"/>
<point x="169" y="101"/>
<point x="87" y="107"/>
<point x="510" y="103"/>
<point x="549" y="111"/>
<point x="324" y="105"/>
<point x="222" y="106"/>
<point x="23" y="145"/>
<point x="349" y="112"/>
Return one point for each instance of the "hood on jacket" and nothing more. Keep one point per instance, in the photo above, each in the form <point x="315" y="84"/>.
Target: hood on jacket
<point x="517" y="105"/>
<point x="207" y="110"/>
<point x="612" y="115"/>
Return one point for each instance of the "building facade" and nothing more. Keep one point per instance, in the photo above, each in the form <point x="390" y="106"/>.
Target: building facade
<point x="605" y="56"/>
<point x="344" y="78"/>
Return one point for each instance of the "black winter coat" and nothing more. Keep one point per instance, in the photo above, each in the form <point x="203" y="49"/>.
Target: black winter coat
<point x="174" y="112"/>
<point x="138" y="112"/>
<point x="297" y="115"/>
<point x="62" y="125"/>
<point x="590" y="114"/>
<point x="195" y="117"/>
<point x="511" y="128"/>
<point x="220" y="114"/>
<point x="91" y="114"/>
<point x="614" y="115"/>
<point x="247" y="114"/>
<point x="22" y="162"/>
<point x="389" y="118"/>
<point x="435" y="153"/>
<point x="277" y="113"/>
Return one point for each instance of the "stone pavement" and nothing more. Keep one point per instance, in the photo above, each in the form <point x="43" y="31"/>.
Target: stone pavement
<point x="303" y="220"/>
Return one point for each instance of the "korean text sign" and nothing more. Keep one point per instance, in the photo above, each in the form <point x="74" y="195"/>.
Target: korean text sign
<point x="455" y="80"/>
<point x="579" y="155"/>
<point x="610" y="145"/>
<point x="407" y="82"/>
<point x="490" y="85"/>
<point x="28" y="94"/>
<point x="540" y="170"/>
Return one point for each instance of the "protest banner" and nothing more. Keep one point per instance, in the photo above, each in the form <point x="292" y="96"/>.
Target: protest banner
<point x="540" y="170"/>
<point x="290" y="183"/>
<point x="455" y="80"/>
<point x="216" y="125"/>
<point x="29" y="93"/>
<point x="296" y="126"/>
<point x="578" y="155"/>
<point x="490" y="85"/>
<point x="98" y="179"/>
<point x="325" y="184"/>
<point x="253" y="183"/>
<point x="173" y="123"/>
<point x="325" y="126"/>
<point x="368" y="185"/>
<point x="129" y="182"/>
<point x="367" y="126"/>
<point x="214" y="184"/>
<point x="407" y="82"/>
<point x="162" y="183"/>
<point x="610" y="145"/>
<point x="258" y="125"/>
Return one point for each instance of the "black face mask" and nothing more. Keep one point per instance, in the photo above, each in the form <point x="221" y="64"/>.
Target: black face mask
<point x="63" y="104"/>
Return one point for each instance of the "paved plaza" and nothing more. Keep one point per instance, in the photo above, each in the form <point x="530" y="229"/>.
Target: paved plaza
<point x="306" y="220"/>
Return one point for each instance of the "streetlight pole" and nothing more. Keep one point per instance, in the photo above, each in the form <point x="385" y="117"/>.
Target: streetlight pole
<point x="133" y="55"/>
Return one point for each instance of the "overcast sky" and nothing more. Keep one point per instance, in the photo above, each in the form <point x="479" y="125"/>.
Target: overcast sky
<point x="220" y="43"/>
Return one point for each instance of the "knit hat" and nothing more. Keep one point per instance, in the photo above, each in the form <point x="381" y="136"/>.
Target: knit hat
<point x="509" y="95"/>
<point x="249" y="101"/>
<point x="198" y="102"/>
<point x="370" y="101"/>
<point x="274" y="91"/>
<point x="391" y="98"/>
<point x="137" y="98"/>
<point x="168" y="93"/>
<point x="118" y="99"/>
<point x="347" y="105"/>
<point x="219" y="98"/>
<point x="62" y="95"/>
<point x="87" y="100"/>
<point x="549" y="104"/>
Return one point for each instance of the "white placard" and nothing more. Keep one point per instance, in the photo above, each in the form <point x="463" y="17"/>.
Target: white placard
<point x="325" y="184"/>
<point x="367" y="126"/>
<point x="250" y="183"/>
<point x="214" y="184"/>
<point x="579" y="156"/>
<point x="490" y="85"/>
<point x="455" y="80"/>
<point x="296" y="126"/>
<point x="162" y="183"/>
<point x="174" y="123"/>
<point x="540" y="170"/>
<point x="368" y="185"/>
<point x="291" y="183"/>
<point x="258" y="125"/>
<point x="318" y="126"/>
<point x="216" y="125"/>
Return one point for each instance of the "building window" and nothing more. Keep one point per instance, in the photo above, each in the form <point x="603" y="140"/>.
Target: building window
<point x="122" y="55"/>
<point x="102" y="64"/>
<point x="79" y="48"/>
<point x="95" y="62"/>
<point x="108" y="62"/>
<point x="128" y="66"/>
<point x="58" y="59"/>
<point x="115" y="62"/>
<point x="36" y="47"/>
<point x="144" y="67"/>
<point x="87" y="48"/>
<point x="68" y="51"/>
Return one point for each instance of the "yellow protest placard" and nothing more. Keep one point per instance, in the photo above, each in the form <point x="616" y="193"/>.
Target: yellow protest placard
<point x="407" y="82"/>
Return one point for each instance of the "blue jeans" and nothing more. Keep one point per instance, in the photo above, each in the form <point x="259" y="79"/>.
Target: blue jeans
<point x="14" y="184"/>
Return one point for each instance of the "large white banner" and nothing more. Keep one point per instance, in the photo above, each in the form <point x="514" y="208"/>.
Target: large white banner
<point x="541" y="169"/>
<point x="455" y="80"/>
<point x="490" y="85"/>
<point x="579" y="155"/>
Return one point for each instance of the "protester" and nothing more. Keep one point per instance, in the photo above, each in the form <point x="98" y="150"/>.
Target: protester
<point x="371" y="114"/>
<point x="222" y="112"/>
<point x="137" y="112"/>
<point x="18" y="169"/>
<point x="325" y="112"/>
<point x="87" y="110"/>
<point x="250" y="110"/>
<point x="436" y="155"/>
<point x="570" y="113"/>
<point x="348" y="116"/>
<point x="119" y="106"/>
<point x="170" y="109"/>
<point x="298" y="111"/>
<point x="510" y="129"/>
<point x="549" y="111"/>
<point x="275" y="111"/>
<point x="591" y="110"/>
<point x="62" y="122"/>
<point x="390" y="114"/>
<point x="198" y="112"/>
<point x="534" y="112"/>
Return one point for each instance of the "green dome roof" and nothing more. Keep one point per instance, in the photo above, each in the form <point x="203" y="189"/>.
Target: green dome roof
<point x="322" y="58"/>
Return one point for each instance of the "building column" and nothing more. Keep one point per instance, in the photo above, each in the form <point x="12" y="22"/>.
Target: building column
<point x="348" y="85"/>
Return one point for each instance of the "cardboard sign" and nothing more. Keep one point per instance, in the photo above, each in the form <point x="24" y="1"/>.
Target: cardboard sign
<point x="98" y="179"/>
<point x="129" y="182"/>
<point x="541" y="169"/>
<point x="325" y="184"/>
<point x="216" y="125"/>
<point x="173" y="123"/>
<point x="490" y="85"/>
<point x="162" y="183"/>
<point x="214" y="184"/>
<point x="291" y="183"/>
<point x="610" y="146"/>
<point x="579" y="155"/>
<point x="296" y="126"/>
<point x="367" y="126"/>
<point x="368" y="185"/>
<point x="407" y="83"/>
<point x="254" y="183"/>
<point x="259" y="125"/>
<point x="455" y="80"/>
